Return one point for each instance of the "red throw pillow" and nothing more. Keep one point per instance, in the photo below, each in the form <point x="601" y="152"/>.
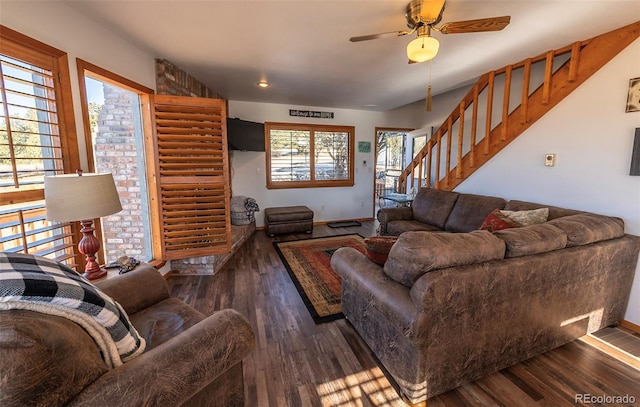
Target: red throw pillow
<point x="378" y="247"/>
<point x="497" y="221"/>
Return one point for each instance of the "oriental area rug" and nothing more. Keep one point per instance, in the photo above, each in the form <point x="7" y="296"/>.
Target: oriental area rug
<point x="309" y="265"/>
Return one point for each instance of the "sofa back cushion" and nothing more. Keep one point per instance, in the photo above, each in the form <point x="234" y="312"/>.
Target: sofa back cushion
<point x="585" y="228"/>
<point x="433" y="206"/>
<point x="554" y="211"/>
<point x="416" y="253"/>
<point x="532" y="239"/>
<point x="470" y="211"/>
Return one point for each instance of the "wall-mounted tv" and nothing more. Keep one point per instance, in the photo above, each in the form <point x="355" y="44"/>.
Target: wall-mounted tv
<point x="244" y="135"/>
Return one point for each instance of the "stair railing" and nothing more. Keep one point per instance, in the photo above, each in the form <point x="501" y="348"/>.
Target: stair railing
<point x="502" y="104"/>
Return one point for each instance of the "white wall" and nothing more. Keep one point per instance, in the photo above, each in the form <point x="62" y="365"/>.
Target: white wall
<point x="248" y="168"/>
<point x="56" y="24"/>
<point x="592" y="137"/>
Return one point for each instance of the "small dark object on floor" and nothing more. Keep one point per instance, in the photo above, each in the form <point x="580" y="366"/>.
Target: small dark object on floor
<point x="344" y="224"/>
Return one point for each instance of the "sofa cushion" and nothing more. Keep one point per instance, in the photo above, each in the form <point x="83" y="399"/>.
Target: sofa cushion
<point x="497" y="221"/>
<point x="470" y="211"/>
<point x="416" y="253"/>
<point x="433" y="206"/>
<point x="165" y="320"/>
<point x="532" y="239"/>
<point x="528" y="217"/>
<point x="588" y="228"/>
<point x="554" y="211"/>
<point x="398" y="227"/>
<point x="377" y="248"/>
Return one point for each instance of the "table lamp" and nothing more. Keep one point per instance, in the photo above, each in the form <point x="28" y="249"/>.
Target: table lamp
<point x="82" y="197"/>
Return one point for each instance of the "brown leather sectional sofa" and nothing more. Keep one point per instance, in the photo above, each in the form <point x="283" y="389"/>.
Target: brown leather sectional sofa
<point x="190" y="359"/>
<point x="449" y="308"/>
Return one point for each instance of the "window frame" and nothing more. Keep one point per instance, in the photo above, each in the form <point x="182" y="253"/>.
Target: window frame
<point x="312" y="129"/>
<point x="19" y="46"/>
<point x="86" y="68"/>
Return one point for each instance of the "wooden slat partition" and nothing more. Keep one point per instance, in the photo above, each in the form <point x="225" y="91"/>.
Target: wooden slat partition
<point x="584" y="58"/>
<point x="192" y="181"/>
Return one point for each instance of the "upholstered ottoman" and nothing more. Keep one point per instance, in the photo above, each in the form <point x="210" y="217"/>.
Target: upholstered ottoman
<point x="288" y="219"/>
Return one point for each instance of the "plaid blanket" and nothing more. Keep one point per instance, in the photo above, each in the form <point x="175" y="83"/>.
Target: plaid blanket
<point x="42" y="285"/>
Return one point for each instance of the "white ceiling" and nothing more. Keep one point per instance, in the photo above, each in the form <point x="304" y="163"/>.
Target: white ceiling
<point x="302" y="46"/>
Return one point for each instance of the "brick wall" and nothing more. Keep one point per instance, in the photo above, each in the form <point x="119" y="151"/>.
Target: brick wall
<point x="115" y="151"/>
<point x="171" y="80"/>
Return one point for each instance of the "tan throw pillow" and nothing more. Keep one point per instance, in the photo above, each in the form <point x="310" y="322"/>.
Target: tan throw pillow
<point x="527" y="218"/>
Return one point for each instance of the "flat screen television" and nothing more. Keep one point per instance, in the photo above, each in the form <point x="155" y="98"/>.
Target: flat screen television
<point x="244" y="135"/>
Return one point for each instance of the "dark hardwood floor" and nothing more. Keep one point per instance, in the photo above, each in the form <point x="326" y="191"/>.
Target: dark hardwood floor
<point x="298" y="363"/>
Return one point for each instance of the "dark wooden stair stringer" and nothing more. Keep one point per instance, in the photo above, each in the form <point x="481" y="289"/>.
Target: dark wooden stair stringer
<point x="474" y="142"/>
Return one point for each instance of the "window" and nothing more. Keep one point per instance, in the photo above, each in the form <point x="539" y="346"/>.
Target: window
<point x="37" y="138"/>
<point x="390" y="158"/>
<point x="115" y="143"/>
<point x="418" y="143"/>
<point x="302" y="156"/>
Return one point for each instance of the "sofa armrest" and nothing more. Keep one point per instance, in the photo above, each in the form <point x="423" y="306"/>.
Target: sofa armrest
<point x="347" y="260"/>
<point x="386" y="215"/>
<point x="145" y="281"/>
<point x="366" y="279"/>
<point x="171" y="373"/>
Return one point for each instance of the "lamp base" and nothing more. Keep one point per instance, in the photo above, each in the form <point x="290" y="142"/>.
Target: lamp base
<point x="89" y="246"/>
<point x="95" y="275"/>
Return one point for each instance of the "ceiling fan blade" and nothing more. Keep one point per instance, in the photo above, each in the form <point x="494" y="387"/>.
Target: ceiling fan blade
<point x="430" y="10"/>
<point x="471" y="26"/>
<point x="379" y="35"/>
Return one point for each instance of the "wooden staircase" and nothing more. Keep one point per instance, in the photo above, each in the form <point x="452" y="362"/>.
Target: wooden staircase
<point x="500" y="107"/>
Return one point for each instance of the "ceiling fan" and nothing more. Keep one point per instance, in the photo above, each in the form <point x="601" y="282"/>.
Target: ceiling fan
<point x="422" y="16"/>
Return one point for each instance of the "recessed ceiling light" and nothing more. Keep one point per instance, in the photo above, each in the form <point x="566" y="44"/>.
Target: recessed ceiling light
<point x="369" y="105"/>
<point x="263" y="84"/>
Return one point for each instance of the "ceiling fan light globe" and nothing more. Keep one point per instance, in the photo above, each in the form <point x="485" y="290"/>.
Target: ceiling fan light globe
<point x="422" y="49"/>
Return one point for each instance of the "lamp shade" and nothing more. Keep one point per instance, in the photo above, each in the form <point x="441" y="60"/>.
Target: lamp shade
<point x="422" y="48"/>
<point x="72" y="197"/>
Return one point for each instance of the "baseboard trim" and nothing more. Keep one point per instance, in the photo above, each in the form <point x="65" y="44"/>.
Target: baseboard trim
<point x="611" y="350"/>
<point x="630" y="325"/>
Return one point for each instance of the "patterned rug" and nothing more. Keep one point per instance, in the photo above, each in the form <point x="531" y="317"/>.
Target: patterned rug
<point x="309" y="265"/>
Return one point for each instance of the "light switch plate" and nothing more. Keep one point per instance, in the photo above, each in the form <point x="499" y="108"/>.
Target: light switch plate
<point x="549" y="160"/>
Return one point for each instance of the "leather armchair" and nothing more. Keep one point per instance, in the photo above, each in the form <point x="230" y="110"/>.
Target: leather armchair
<point x="189" y="360"/>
